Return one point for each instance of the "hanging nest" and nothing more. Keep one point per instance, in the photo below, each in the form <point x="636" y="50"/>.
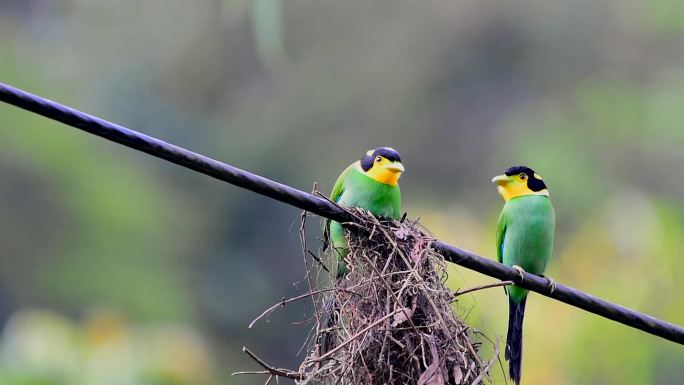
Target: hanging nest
<point x="390" y="319"/>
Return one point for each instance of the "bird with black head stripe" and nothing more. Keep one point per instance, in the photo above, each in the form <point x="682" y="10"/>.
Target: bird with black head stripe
<point x="524" y="239"/>
<point x="371" y="183"/>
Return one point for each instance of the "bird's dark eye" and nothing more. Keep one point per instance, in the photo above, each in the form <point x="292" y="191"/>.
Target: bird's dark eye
<point x="378" y="159"/>
<point x="523" y="176"/>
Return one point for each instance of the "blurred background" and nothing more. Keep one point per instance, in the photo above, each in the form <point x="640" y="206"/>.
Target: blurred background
<point x="118" y="268"/>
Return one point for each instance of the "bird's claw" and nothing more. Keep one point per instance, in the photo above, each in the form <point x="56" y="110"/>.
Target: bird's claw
<point x="552" y="283"/>
<point x="520" y="270"/>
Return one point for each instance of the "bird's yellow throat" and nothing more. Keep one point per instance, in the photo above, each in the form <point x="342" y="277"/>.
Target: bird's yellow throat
<point x="508" y="193"/>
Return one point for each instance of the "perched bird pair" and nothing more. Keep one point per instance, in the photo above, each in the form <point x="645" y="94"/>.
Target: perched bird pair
<point x="524" y="235"/>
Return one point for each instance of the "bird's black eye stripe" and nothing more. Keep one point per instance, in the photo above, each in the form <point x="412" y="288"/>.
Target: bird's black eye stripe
<point x="535" y="184"/>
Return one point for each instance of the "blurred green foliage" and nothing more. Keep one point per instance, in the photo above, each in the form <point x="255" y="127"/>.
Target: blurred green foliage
<point x="590" y="94"/>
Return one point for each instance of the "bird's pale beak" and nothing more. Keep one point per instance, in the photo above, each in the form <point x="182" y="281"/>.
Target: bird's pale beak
<point x="501" y="180"/>
<point x="395" y="167"/>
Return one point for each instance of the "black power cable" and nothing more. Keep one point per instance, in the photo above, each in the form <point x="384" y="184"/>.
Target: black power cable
<point x="324" y="208"/>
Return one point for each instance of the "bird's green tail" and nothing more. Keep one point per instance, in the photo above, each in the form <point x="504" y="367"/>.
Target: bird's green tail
<point x="514" y="340"/>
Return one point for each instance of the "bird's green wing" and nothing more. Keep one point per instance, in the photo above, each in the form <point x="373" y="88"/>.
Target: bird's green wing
<point x="338" y="188"/>
<point x="500" y="235"/>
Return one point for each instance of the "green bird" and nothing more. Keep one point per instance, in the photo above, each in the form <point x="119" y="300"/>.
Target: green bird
<point x="524" y="240"/>
<point x="371" y="183"/>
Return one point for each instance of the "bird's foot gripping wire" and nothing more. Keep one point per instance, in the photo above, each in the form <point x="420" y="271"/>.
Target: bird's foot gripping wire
<point x="520" y="270"/>
<point x="552" y="283"/>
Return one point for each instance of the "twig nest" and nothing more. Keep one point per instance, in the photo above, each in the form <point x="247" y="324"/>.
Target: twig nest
<point x="389" y="320"/>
